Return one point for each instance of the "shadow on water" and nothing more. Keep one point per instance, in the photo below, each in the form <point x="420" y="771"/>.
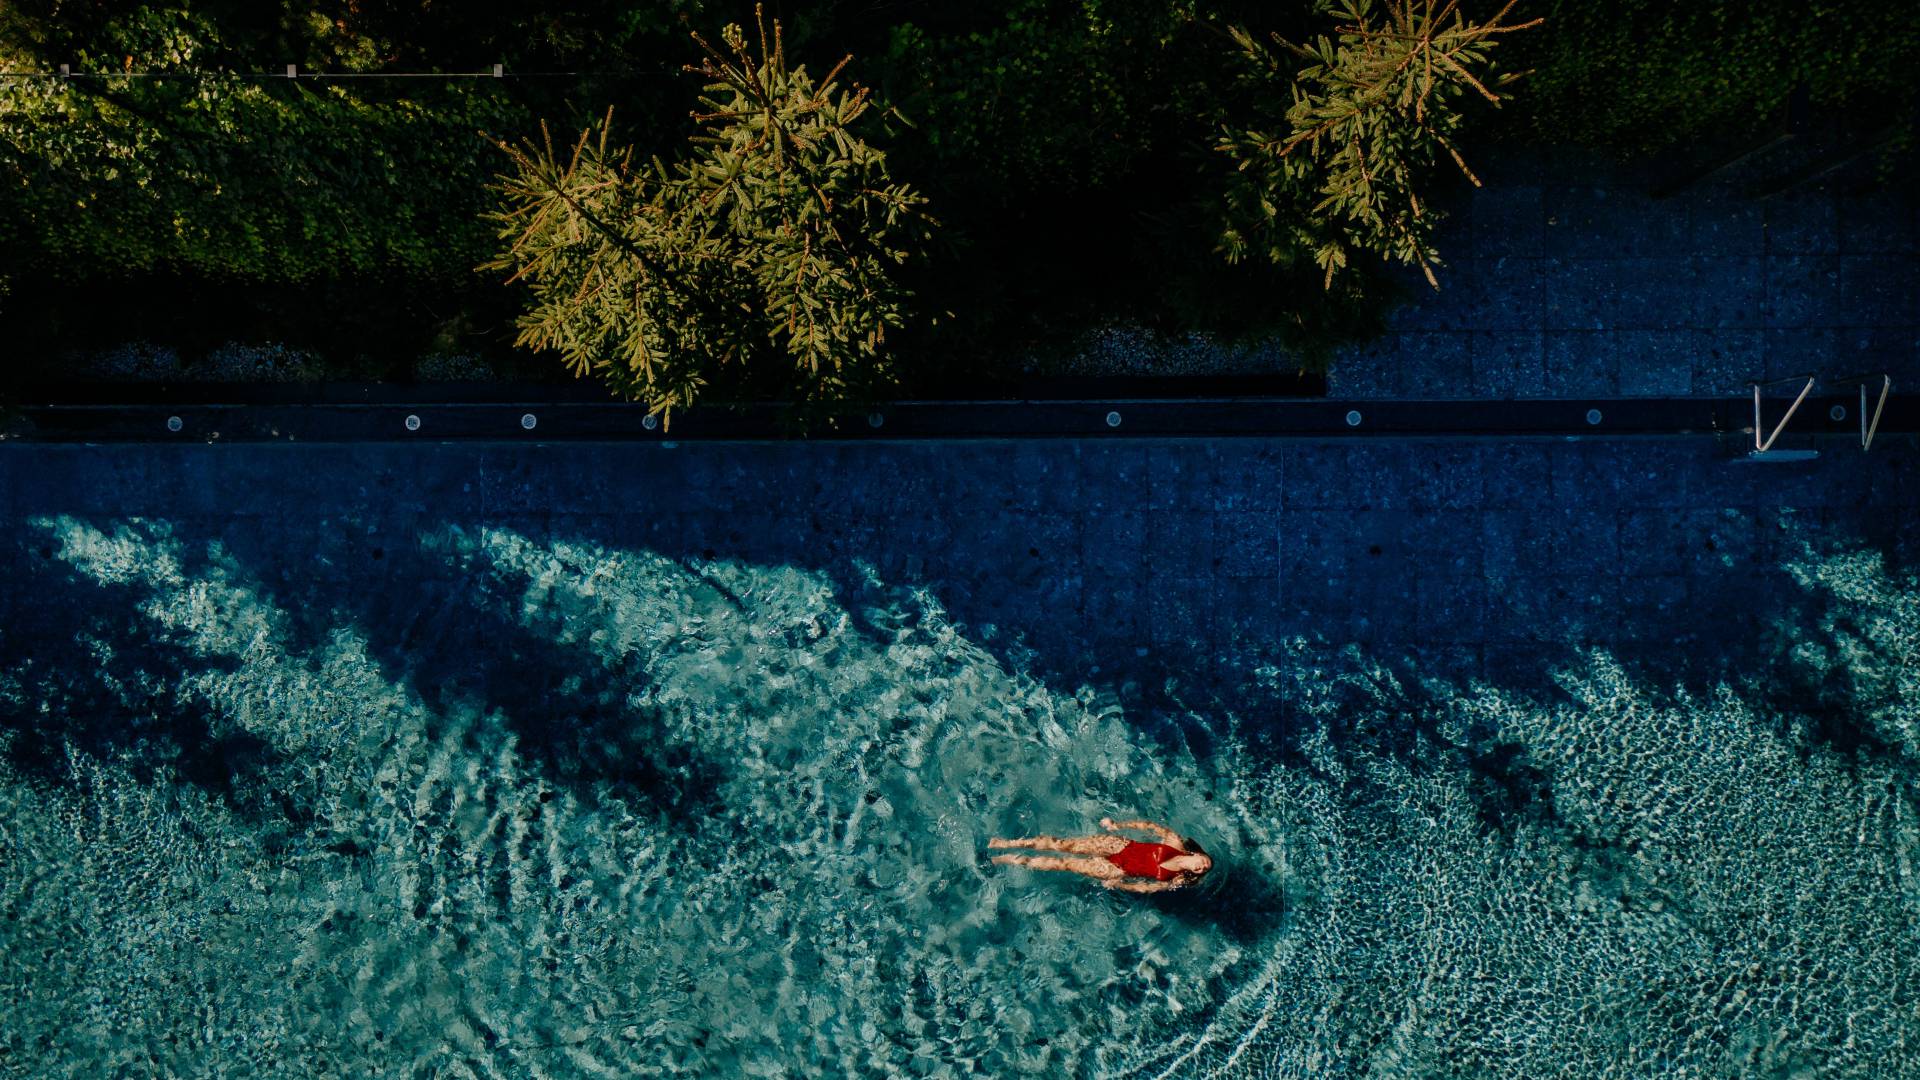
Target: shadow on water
<point x="96" y="676"/>
<point x="102" y="676"/>
<point x="1242" y="902"/>
<point x="460" y="648"/>
<point x="429" y="625"/>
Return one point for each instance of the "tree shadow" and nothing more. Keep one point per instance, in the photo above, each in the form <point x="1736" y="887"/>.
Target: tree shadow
<point x="98" y="675"/>
<point x="999" y="555"/>
<point x="461" y="648"/>
<point x="95" y="676"/>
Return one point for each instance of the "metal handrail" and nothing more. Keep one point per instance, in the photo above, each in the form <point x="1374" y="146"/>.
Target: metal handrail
<point x="1870" y="427"/>
<point x="1867" y="430"/>
<point x="1760" y="447"/>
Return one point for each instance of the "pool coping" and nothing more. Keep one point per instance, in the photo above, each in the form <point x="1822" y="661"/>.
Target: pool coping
<point x="401" y="419"/>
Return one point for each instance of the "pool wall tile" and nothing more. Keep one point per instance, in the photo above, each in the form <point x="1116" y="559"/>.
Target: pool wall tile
<point x="1038" y="476"/>
<point x="1654" y="363"/>
<point x="1446" y="477"/>
<point x="1445" y="542"/>
<point x="1179" y="543"/>
<point x="1247" y="544"/>
<point x="1803" y="223"/>
<point x="1581" y="363"/>
<point x="1875" y="223"/>
<point x="1250" y="474"/>
<point x="1803" y="291"/>
<point x="1517" y="474"/>
<point x="1452" y="609"/>
<point x="1506" y="364"/>
<point x="1179" y="611"/>
<point x="1384" y="609"/>
<point x="1877" y="290"/>
<point x="1435" y="364"/>
<point x="1653" y="596"/>
<point x="1352" y="474"/>
<point x="1249" y="613"/>
<point x="1725" y="360"/>
<point x="1509" y="294"/>
<point x="1115" y="609"/>
<point x="1114" y="474"/>
<point x="1316" y="543"/>
<point x="1181" y="476"/>
<point x="1508" y="221"/>
<point x="1406" y="543"/>
<point x="1721" y="222"/>
<point x="1729" y="291"/>
<point x="1114" y="542"/>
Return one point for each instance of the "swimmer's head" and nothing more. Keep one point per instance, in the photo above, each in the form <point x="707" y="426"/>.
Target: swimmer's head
<point x="1203" y="862"/>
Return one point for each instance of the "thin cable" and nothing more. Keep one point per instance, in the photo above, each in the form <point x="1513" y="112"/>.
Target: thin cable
<point x="318" y="75"/>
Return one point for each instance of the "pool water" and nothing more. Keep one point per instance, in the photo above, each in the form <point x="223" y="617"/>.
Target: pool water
<point x="552" y="806"/>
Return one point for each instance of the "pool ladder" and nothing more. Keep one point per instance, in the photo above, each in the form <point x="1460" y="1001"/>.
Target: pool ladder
<point x="1763" y="447"/>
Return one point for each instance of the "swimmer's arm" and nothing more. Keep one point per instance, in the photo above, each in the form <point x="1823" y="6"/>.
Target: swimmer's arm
<point x="1138" y="886"/>
<point x="1167" y="836"/>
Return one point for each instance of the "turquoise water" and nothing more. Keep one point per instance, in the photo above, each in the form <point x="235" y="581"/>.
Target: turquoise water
<point x="787" y="878"/>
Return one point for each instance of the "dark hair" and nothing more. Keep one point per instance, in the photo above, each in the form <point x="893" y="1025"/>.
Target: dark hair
<point x="1193" y="848"/>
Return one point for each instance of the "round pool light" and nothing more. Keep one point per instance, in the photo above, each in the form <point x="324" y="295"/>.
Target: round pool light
<point x="527" y="421"/>
<point x="1353" y="418"/>
<point x="649" y="421"/>
<point x="173" y="423"/>
<point x="1838" y="412"/>
<point x="1113" y="419"/>
<point x="874" y="419"/>
<point x="413" y="422"/>
<point x="1593" y="416"/>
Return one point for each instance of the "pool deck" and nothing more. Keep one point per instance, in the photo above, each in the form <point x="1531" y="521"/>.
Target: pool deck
<point x="1566" y="277"/>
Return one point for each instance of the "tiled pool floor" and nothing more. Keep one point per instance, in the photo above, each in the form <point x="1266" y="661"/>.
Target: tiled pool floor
<point x="1137" y="556"/>
<point x="462" y="758"/>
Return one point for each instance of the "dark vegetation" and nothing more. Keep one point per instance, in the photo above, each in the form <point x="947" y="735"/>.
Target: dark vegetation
<point x="1066" y="164"/>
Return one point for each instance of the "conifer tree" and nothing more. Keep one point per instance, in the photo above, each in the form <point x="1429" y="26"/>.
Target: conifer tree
<point x="777" y="240"/>
<point x="1371" y="111"/>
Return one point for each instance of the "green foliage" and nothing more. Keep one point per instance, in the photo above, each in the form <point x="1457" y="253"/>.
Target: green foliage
<point x="1649" y="75"/>
<point x="1050" y="94"/>
<point x="778" y="239"/>
<point x="1372" y="111"/>
<point x="231" y="178"/>
<point x="1068" y="143"/>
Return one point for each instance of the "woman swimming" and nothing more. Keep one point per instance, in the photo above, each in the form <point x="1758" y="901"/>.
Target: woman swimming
<point x="1118" y="863"/>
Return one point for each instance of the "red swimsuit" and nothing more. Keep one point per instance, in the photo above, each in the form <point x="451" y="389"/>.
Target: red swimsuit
<point x="1143" y="860"/>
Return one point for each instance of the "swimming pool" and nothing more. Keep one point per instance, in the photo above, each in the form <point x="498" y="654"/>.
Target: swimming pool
<point x="1593" y="756"/>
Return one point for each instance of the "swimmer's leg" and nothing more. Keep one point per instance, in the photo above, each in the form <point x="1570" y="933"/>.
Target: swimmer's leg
<point x="1077" y="845"/>
<point x="1093" y="868"/>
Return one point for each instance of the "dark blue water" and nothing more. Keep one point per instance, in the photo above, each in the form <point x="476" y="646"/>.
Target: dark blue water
<point x="368" y="782"/>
